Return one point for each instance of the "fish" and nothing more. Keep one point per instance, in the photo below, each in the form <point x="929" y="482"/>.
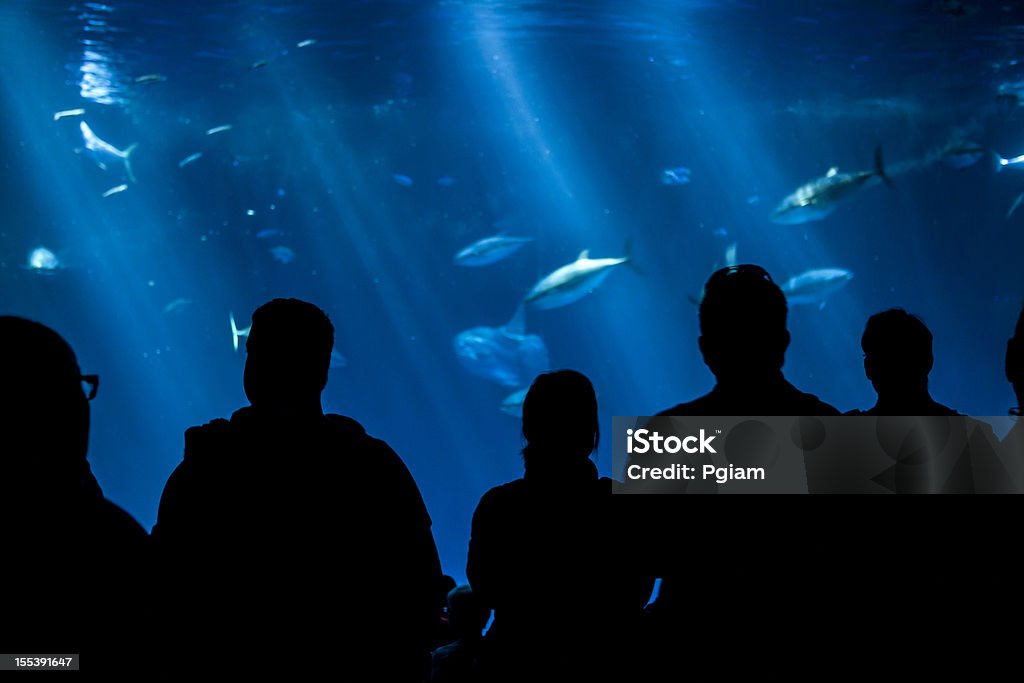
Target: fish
<point x="282" y="254"/>
<point x="306" y="43"/>
<point x="1001" y="163"/>
<point x="490" y="250"/>
<point x="513" y="403"/>
<point x="815" y="286"/>
<point x="219" y="129"/>
<point x="506" y="355"/>
<point x="572" y="282"/>
<point x="962" y="155"/>
<point x="259" y="64"/>
<point x="403" y="180"/>
<point x="818" y="198"/>
<point x="43" y="261"/>
<point x="114" y="190"/>
<point x="675" y="176"/>
<point x="189" y="159"/>
<point x="337" y="360"/>
<point x="177" y="306"/>
<point x="236" y="333"/>
<point x="1016" y="203"/>
<point x="149" y="79"/>
<point x="67" y="112"/>
<point x="267" y="233"/>
<point x="104" y="153"/>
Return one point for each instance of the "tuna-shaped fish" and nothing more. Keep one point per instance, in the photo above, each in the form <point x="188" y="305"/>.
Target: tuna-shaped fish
<point x="572" y="282"/>
<point x="105" y="154"/>
<point x="818" y="198"/>
<point x="490" y="250"/>
<point x="815" y="286"/>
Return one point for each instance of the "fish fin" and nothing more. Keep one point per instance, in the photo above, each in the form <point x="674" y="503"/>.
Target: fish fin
<point x="583" y="255"/>
<point x="128" y="161"/>
<point x="517" y="325"/>
<point x="880" y="167"/>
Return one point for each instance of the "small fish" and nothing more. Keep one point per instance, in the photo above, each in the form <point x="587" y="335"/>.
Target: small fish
<point x="42" y="260"/>
<point x="489" y="250"/>
<point x="259" y="64"/>
<point x="267" y="233"/>
<point x="445" y="181"/>
<point x="403" y="180"/>
<point x="1016" y="203"/>
<point x="114" y="190"/>
<point x="177" y="306"/>
<point x="235" y="332"/>
<point x="675" y="176"/>
<point x="189" y="159"/>
<point x="104" y="153"/>
<point x="282" y="254"/>
<point x="338" y="360"/>
<point x="219" y="129"/>
<point x="149" y="79"/>
<point x="306" y="43"/>
<point x="67" y="112"/>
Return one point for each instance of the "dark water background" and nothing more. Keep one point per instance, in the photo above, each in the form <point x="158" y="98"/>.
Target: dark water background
<point x="554" y="120"/>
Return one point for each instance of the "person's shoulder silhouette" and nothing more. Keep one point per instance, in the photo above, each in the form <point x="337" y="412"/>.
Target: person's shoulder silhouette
<point x="743" y="339"/>
<point x="897" y="360"/>
<point x="78" y="555"/>
<point x="303" y="508"/>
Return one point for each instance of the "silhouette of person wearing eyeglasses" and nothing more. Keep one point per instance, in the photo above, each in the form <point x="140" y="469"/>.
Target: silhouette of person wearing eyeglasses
<point x="288" y="531"/>
<point x="73" y="562"/>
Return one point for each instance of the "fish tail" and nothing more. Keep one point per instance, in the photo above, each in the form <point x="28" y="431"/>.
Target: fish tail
<point x="128" y="161"/>
<point x="880" y="167"/>
<point x="997" y="162"/>
<point x="235" y="332"/>
<point x="627" y="256"/>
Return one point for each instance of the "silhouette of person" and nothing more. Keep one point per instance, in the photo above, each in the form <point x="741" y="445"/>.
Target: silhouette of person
<point x="743" y="339"/>
<point x="289" y="537"/>
<point x="75" y="562"/>
<point x="456" y="662"/>
<point x="897" y="359"/>
<point x="540" y="555"/>
<point x="1013" y="443"/>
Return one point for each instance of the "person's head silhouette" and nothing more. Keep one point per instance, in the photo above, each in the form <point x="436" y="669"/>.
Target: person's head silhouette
<point x="467" y="616"/>
<point x="743" y="332"/>
<point x="1015" y="363"/>
<point x="560" y="423"/>
<point x="288" y="353"/>
<point x="897" y="353"/>
<point x="45" y="412"/>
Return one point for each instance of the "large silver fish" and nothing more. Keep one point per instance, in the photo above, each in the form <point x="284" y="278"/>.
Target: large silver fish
<point x="815" y="286"/>
<point x="505" y="354"/>
<point x="572" y="282"/>
<point x="489" y="250"/>
<point x="104" y="153"/>
<point x="817" y="199"/>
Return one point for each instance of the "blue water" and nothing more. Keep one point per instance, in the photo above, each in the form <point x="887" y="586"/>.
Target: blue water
<point x="358" y="165"/>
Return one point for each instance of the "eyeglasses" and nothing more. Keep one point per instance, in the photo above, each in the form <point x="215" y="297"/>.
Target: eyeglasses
<point x="90" y="385"/>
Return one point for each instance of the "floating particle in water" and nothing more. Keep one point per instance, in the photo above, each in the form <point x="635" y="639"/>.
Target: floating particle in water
<point x="42" y="260"/>
<point x="219" y="129"/>
<point x="445" y="181"/>
<point x="189" y="159"/>
<point x="282" y="254"/>
<point x="267" y="233"/>
<point x="403" y="180"/>
<point x="250" y="212"/>
<point x="306" y="43"/>
<point x="675" y="176"/>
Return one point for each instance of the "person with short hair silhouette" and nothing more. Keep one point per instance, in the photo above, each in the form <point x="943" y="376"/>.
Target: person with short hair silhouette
<point x="74" y="563"/>
<point x="540" y="555"/>
<point x="456" y="662"/>
<point x="897" y="360"/>
<point x="743" y="339"/>
<point x="1015" y="364"/>
<point x="290" y="538"/>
